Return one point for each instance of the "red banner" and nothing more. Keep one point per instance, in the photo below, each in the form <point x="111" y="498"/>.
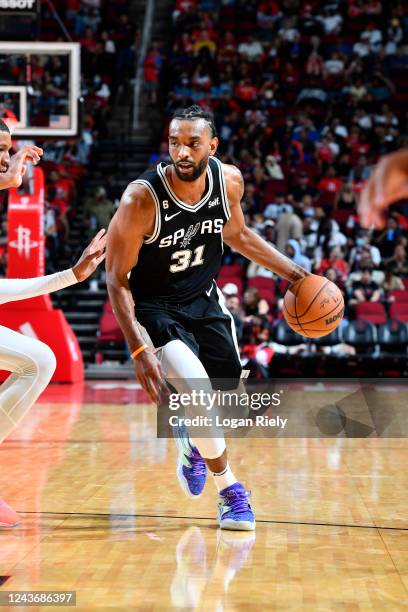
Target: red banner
<point x="26" y="242"/>
<point x="36" y="317"/>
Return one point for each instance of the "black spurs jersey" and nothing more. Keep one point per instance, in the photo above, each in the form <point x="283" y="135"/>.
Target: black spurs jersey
<point x="180" y="259"/>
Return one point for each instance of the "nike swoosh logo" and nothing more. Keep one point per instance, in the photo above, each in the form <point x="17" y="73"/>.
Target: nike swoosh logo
<point x="168" y="217"/>
<point x="209" y="291"/>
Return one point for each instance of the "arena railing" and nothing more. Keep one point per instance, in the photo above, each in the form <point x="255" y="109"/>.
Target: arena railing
<point x="138" y="87"/>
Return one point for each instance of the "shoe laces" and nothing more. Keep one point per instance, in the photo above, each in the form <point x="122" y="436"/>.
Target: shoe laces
<point x="238" y="500"/>
<point x="198" y="466"/>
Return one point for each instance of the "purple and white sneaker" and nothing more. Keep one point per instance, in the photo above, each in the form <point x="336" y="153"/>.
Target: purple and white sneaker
<point x="234" y="511"/>
<point x="191" y="467"/>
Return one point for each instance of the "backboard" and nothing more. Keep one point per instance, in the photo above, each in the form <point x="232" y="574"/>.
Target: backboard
<point x="40" y="88"/>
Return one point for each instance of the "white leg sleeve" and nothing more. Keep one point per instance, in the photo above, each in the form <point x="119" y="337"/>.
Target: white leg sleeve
<point x="181" y="366"/>
<point x="32" y="364"/>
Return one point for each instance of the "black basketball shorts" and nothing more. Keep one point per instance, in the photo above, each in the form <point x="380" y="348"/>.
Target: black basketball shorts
<point x="204" y="324"/>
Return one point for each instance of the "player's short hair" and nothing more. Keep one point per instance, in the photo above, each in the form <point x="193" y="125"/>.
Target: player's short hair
<point x="196" y="112"/>
<point x="4" y="127"/>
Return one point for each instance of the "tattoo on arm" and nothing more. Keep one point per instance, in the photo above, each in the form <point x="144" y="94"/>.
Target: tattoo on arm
<point x="296" y="273"/>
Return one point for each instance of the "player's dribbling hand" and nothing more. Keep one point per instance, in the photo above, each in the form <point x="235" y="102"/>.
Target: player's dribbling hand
<point x="387" y="184"/>
<point x="149" y="374"/>
<point x="91" y="257"/>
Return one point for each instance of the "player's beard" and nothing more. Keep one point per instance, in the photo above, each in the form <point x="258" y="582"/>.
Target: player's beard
<point x="198" y="170"/>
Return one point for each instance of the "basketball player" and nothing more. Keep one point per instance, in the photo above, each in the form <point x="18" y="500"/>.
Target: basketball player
<point x="168" y="233"/>
<point x="387" y="184"/>
<point x="31" y="362"/>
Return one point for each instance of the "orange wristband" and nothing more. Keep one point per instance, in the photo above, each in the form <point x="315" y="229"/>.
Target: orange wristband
<point x="138" y="351"/>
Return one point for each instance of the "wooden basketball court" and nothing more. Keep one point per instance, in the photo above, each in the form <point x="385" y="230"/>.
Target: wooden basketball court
<point x="103" y="515"/>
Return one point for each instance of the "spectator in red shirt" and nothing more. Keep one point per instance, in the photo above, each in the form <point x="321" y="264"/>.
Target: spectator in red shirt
<point x="88" y="40"/>
<point x="184" y="5"/>
<point x="329" y="186"/>
<point x="62" y="185"/>
<point x="268" y="13"/>
<point x="336" y="261"/>
<point x="151" y="69"/>
<point x="324" y="151"/>
<point x="245" y="91"/>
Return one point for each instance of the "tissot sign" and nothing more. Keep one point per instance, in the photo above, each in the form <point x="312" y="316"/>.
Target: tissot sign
<point x="18" y="6"/>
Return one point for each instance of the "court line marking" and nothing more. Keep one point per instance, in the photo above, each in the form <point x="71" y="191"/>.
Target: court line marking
<point x="11" y="445"/>
<point x="211" y="518"/>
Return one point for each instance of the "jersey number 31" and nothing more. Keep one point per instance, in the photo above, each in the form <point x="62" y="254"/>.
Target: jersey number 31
<point x="187" y="259"/>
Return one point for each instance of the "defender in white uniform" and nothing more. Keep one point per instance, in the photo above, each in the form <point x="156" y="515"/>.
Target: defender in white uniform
<point x="31" y="362"/>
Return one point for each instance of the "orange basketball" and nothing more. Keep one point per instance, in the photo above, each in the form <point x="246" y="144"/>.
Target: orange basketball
<point x="313" y="306"/>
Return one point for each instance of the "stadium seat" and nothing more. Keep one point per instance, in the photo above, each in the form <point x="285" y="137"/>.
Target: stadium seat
<point x="310" y="169"/>
<point x="283" y="334"/>
<point x="269" y="296"/>
<point x="231" y="274"/>
<point x="272" y="188"/>
<point x="228" y="278"/>
<point x="362" y="335"/>
<point x="399" y="311"/>
<point x="283" y="285"/>
<point x="393" y="337"/>
<point x="109" y="330"/>
<point x="107" y="307"/>
<point x="371" y="311"/>
<point x="405" y="281"/>
<point x="232" y="270"/>
<point x="266" y="288"/>
<point x="401" y="296"/>
<point x="335" y="337"/>
<point x="341" y="216"/>
<point x="262" y="282"/>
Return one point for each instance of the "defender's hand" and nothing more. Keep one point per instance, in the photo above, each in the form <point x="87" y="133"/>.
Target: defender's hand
<point x="91" y="257"/>
<point x="149" y="374"/>
<point x="387" y="184"/>
<point x="17" y="168"/>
